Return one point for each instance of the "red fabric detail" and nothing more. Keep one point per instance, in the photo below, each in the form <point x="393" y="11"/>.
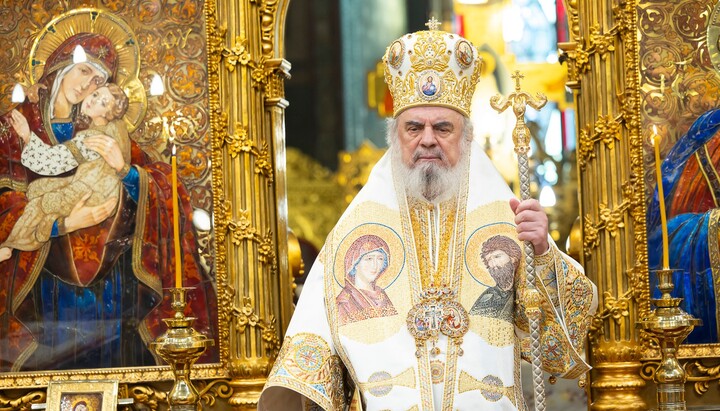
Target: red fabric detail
<point x="692" y="193"/>
<point x="98" y="48"/>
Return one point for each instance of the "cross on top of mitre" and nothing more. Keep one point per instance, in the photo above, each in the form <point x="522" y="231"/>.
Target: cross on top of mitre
<point x="433" y="24"/>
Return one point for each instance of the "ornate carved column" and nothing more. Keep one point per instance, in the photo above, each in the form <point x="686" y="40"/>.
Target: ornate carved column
<point x="245" y="49"/>
<point x="603" y="73"/>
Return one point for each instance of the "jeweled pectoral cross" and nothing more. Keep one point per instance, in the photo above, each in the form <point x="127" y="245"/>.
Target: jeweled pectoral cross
<point x="433" y="316"/>
<point x="521" y="138"/>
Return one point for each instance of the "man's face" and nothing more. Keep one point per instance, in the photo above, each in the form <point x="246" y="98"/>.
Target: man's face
<point x="80" y="82"/>
<point x="501" y="268"/>
<point x="430" y="136"/>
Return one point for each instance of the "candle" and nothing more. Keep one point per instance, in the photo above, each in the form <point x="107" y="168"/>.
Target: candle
<point x="157" y="88"/>
<point x="661" y="197"/>
<point x="18" y="94"/>
<point x="176" y="220"/>
<point x="79" y="55"/>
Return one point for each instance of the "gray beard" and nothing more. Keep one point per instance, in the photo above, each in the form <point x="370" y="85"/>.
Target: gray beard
<point x="429" y="181"/>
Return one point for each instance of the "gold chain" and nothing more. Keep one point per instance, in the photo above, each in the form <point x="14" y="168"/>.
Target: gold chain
<point x="422" y="220"/>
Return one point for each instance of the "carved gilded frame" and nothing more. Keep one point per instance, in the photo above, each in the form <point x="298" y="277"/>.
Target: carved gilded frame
<point x="625" y="60"/>
<point x="245" y="76"/>
<point x="97" y="395"/>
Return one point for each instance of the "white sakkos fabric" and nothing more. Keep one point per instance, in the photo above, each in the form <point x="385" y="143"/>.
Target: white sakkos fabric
<point x="350" y="331"/>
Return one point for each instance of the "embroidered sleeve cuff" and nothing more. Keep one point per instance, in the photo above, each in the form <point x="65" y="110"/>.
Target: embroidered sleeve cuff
<point x="123" y="171"/>
<point x="131" y="181"/>
<point x="61" y="226"/>
<point x="544" y="258"/>
<point x="74" y="151"/>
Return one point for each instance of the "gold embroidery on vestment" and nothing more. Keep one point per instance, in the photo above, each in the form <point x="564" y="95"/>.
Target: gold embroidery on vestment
<point x="437" y="371"/>
<point x="382" y="382"/>
<point x="491" y="387"/>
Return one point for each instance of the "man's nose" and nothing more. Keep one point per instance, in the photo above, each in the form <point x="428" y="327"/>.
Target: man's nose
<point x="427" y="137"/>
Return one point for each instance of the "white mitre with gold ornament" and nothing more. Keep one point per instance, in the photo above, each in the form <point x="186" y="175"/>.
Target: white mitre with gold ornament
<point x="432" y="67"/>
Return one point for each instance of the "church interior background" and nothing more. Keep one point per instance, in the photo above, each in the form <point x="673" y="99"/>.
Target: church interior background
<point x="293" y="105"/>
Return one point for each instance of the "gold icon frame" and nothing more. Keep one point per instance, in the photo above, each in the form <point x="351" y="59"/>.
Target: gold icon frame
<point x="244" y="91"/>
<point x="97" y="395"/>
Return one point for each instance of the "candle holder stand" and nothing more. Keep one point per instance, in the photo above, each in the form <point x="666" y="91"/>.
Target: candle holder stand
<point x="180" y="347"/>
<point x="670" y="324"/>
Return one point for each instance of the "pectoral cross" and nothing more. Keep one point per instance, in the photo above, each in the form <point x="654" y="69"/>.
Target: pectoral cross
<point x="433" y="315"/>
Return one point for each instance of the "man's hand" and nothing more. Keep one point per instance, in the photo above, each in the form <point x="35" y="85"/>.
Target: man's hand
<point x="532" y="223"/>
<point x="83" y="216"/>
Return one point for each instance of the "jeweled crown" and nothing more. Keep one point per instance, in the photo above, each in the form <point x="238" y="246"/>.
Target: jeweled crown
<point x="432" y="68"/>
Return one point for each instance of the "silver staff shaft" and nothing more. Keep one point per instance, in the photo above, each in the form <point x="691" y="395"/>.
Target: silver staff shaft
<point x="519" y="100"/>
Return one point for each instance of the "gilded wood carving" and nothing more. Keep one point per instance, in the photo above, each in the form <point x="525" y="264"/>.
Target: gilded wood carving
<point x="657" y="71"/>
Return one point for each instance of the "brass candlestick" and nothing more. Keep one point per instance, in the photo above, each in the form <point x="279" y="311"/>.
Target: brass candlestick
<point x="180" y="347"/>
<point x="670" y="324"/>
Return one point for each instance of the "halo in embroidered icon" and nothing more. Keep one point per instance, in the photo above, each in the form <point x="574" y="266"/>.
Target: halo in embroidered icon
<point x="429" y="85"/>
<point x="464" y="53"/>
<point x="396" y="54"/>
<point x="364" y="238"/>
<point x="474" y="262"/>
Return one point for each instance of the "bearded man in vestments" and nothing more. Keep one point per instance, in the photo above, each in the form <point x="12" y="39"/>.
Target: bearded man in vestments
<point x="434" y="199"/>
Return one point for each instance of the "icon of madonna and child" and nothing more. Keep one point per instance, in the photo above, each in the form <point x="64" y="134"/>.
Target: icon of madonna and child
<point x="85" y="232"/>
